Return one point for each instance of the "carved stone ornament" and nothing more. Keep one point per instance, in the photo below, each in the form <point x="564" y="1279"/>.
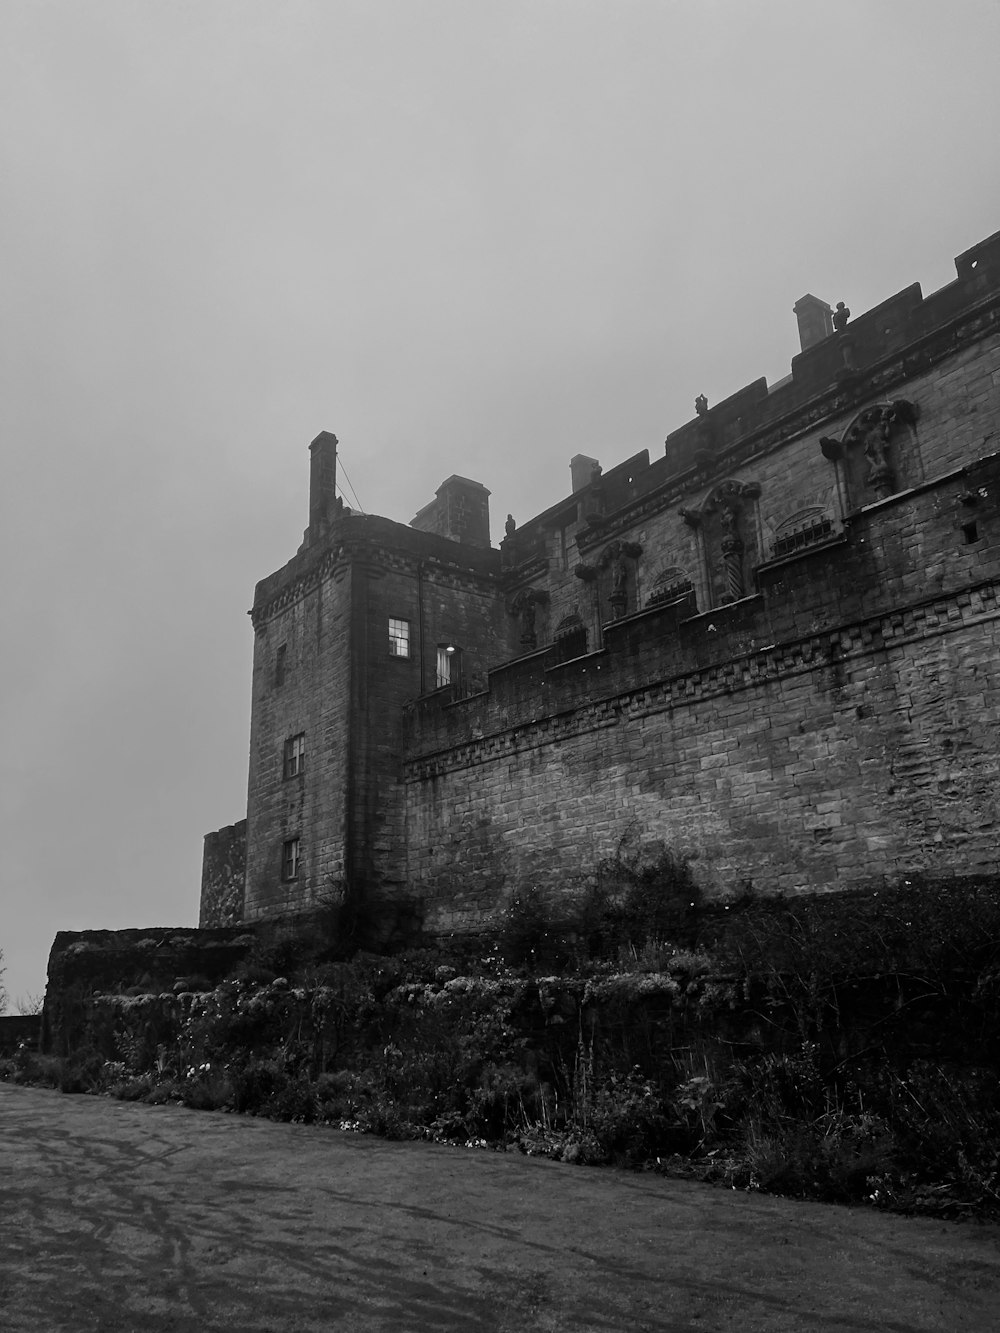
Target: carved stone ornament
<point x="524" y="606"/>
<point x="871" y="432"/>
<point x="830" y="448"/>
<point x="615" y="557"/>
<point x="586" y="572"/>
<point x="728" y="501"/>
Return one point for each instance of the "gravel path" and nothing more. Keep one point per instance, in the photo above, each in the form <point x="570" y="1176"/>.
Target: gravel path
<point x="120" y="1217"/>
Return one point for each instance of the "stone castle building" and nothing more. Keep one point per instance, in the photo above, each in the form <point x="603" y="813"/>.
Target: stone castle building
<point x="773" y="649"/>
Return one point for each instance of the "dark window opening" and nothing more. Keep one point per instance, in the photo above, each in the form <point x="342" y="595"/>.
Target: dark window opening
<point x="295" y="755"/>
<point x="802" y="537"/>
<point x="970" y="531"/>
<point x="571" y="644"/>
<point x="290" y="859"/>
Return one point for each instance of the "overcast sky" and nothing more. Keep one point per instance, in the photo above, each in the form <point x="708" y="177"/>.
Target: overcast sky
<point x="466" y="236"/>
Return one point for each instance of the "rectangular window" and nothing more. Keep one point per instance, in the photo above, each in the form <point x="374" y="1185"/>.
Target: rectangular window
<point x="295" y="755"/>
<point x="443" y="668"/>
<point x="279" y="664"/>
<point x="290" y="859"/>
<point x="399" y="638"/>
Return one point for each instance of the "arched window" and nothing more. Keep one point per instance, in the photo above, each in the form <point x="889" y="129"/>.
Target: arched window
<point x="570" y="637"/>
<point x="803" y="528"/>
<point x="671" y="585"/>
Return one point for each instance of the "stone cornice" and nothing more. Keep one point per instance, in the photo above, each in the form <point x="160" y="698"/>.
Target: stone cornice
<point x="373" y="554"/>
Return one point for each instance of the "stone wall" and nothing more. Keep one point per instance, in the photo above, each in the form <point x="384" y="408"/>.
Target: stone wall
<point x="840" y="725"/>
<point x="223" y="876"/>
<point x="157" y="959"/>
<point x="324" y="671"/>
<point x="770" y="648"/>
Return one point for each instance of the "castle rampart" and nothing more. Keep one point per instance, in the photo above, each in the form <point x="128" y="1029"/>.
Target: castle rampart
<point x="772" y="649"/>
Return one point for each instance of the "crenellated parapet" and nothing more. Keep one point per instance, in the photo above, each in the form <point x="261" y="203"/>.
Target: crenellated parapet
<point x="893" y="560"/>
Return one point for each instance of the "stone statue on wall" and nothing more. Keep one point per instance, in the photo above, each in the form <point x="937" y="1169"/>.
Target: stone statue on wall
<point x="525" y="606"/>
<point x="615" y="559"/>
<point x="725" y="542"/>
<point x="871" y="433"/>
<point x="510" y="527"/>
<point x="840" y="317"/>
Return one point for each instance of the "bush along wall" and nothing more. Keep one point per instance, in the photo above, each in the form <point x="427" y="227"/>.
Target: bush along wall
<point x="841" y="1049"/>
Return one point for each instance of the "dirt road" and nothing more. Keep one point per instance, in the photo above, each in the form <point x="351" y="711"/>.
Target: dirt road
<point x="118" y="1217"/>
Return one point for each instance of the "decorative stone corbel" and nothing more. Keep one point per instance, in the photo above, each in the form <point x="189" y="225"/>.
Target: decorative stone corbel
<point x="830" y="448"/>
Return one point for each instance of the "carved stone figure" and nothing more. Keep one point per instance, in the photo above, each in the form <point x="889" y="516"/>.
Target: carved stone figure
<point x="840" y="317"/>
<point x="701" y="405"/>
<point x="732" y="547"/>
<point x="528" y="621"/>
<point x="510" y="527"/>
<point x="725" y="544"/>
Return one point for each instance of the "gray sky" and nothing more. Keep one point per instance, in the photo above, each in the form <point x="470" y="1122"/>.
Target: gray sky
<point x="466" y="236"/>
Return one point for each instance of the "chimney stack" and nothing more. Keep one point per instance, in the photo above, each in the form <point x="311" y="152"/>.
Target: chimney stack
<point x="815" y="320"/>
<point x="322" y="483"/>
<point x="583" y="471"/>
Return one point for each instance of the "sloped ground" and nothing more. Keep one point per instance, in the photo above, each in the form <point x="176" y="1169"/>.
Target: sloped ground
<point x="121" y="1217"/>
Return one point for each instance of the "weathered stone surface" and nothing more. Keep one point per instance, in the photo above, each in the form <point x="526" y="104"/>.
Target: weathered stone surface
<point x="816" y="706"/>
<point x="223" y="876"/>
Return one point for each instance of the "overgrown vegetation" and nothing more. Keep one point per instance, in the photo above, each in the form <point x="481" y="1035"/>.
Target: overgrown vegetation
<point x="845" y="1048"/>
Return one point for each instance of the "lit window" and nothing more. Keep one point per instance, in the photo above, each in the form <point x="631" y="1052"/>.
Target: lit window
<point x="399" y="638"/>
<point x="290" y="859"/>
<point x="448" y="658"/>
<point x="295" y="755"/>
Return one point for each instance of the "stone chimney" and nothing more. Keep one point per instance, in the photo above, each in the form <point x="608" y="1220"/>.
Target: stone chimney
<point x="460" y="512"/>
<point x="583" y="471"/>
<point x="815" y="320"/>
<point x="322" y="484"/>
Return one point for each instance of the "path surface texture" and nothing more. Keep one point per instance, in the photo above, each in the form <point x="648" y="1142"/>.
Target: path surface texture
<point x="122" y="1217"/>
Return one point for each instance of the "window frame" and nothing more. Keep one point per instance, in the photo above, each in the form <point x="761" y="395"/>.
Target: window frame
<point x="451" y="655"/>
<point x="294" y="760"/>
<point x="291" y="859"/>
<point x="402" y="637"/>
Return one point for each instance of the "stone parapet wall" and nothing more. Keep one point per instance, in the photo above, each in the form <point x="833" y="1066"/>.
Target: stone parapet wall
<point x="223" y="876"/>
<point x="155" y="959"/>
<point x="841" y="725"/>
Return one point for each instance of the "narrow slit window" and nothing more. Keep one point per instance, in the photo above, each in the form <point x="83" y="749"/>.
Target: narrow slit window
<point x="970" y="531"/>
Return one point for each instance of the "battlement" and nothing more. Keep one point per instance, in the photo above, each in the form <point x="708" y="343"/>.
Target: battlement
<point x="893" y="560"/>
<point x="904" y="335"/>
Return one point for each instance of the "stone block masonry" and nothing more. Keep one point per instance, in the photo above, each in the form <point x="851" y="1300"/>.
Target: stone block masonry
<point x="771" y="649"/>
<point x="797" y="740"/>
